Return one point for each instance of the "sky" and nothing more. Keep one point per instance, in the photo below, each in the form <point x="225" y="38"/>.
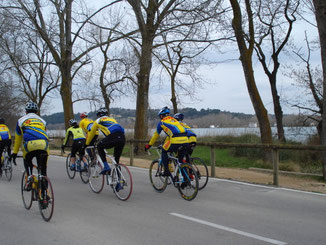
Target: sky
<point x="225" y="88"/>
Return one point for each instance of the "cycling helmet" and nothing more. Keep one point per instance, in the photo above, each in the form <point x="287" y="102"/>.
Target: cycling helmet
<point x="164" y="111"/>
<point x="102" y="112"/>
<point x="83" y="114"/>
<point x="31" y="107"/>
<point x="178" y="116"/>
<point x="2" y="121"/>
<point x="72" y="122"/>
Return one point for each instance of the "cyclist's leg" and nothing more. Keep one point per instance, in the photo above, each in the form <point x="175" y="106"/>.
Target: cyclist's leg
<point x="74" y="149"/>
<point x="81" y="151"/>
<point x="101" y="146"/>
<point x="9" y="147"/>
<point x="119" y="145"/>
<point x="42" y="159"/>
<point x="91" y="152"/>
<point x="28" y="164"/>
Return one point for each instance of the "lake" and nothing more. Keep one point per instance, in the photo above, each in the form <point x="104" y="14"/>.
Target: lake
<point x="298" y="134"/>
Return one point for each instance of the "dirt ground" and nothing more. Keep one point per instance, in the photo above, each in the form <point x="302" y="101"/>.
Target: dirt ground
<point x="257" y="177"/>
<point x="250" y="176"/>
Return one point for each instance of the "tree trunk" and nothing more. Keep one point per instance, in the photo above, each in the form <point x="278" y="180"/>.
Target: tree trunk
<point x="65" y="91"/>
<point x="246" y="60"/>
<point x="277" y="110"/>
<point x="320" y="13"/>
<point x="145" y="66"/>
<point x="173" y="95"/>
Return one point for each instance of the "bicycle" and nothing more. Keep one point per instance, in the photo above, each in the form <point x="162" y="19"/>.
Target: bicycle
<point x="83" y="172"/>
<point x="38" y="188"/>
<point x="184" y="176"/>
<point x="6" y="164"/>
<point x="202" y="171"/>
<point x="119" y="178"/>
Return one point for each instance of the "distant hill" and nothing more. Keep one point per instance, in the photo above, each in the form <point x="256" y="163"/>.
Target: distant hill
<point x="121" y="113"/>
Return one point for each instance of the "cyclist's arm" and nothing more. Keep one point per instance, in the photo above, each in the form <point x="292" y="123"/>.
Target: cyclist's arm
<point x="68" y="133"/>
<point x="92" y="133"/>
<point x="18" y="141"/>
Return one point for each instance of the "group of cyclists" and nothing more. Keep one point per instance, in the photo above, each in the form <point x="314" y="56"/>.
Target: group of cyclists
<point x="180" y="138"/>
<point x="31" y="134"/>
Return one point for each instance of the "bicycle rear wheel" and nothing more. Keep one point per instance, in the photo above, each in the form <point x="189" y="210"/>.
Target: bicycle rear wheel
<point x="85" y="173"/>
<point x="188" y="187"/>
<point x="7" y="167"/>
<point x="26" y="191"/>
<point x="156" y="176"/>
<point x="122" y="181"/>
<point x="202" y="171"/>
<point x="45" y="198"/>
<point x="96" y="180"/>
<point x="71" y="173"/>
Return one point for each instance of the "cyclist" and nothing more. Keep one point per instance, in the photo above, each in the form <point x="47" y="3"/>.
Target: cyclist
<point x="31" y="131"/>
<point x="176" y="140"/>
<point x="78" y="144"/>
<point x="86" y="125"/>
<point x="192" y="137"/>
<point x="114" y="137"/>
<point x="5" y="140"/>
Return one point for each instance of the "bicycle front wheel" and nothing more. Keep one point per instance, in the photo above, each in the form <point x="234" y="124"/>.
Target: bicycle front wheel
<point x="71" y="173"/>
<point x="156" y="176"/>
<point x="85" y="173"/>
<point x="202" y="171"/>
<point x="7" y="167"/>
<point x="122" y="181"/>
<point x="96" y="180"/>
<point x="188" y="181"/>
<point x="45" y="198"/>
<point x="26" y="191"/>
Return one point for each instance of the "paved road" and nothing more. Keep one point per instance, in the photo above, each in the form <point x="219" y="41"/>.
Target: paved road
<point x="224" y="213"/>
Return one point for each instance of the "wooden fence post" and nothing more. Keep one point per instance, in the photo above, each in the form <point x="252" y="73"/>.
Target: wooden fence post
<point x="212" y="161"/>
<point x="275" y="166"/>
<point x="131" y="153"/>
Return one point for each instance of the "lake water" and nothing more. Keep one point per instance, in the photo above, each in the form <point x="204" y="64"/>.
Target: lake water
<point x="298" y="134"/>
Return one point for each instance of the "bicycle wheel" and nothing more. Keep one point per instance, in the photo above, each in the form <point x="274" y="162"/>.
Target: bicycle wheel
<point x="121" y="181"/>
<point x="96" y="180"/>
<point x="7" y="167"/>
<point x="156" y="176"/>
<point x="202" y="171"/>
<point x="27" y="192"/>
<point x="188" y="181"/>
<point x="71" y="173"/>
<point x="85" y="173"/>
<point x="45" y="198"/>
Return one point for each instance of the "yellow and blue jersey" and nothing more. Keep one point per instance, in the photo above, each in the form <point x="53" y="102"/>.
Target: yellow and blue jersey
<point x="107" y="125"/>
<point x="191" y="135"/>
<point x="177" y="134"/>
<point x="4" y="132"/>
<point x="30" y="127"/>
<point x="86" y="125"/>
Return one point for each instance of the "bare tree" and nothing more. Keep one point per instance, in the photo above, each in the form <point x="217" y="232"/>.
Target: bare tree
<point x="320" y="14"/>
<point x="275" y="26"/>
<point x="309" y="78"/>
<point x="246" y="47"/>
<point x="181" y="60"/>
<point x="54" y="21"/>
<point x="155" y="18"/>
<point x="30" y="60"/>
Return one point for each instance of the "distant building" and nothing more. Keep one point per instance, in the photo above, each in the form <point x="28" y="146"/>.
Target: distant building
<point x="212" y="126"/>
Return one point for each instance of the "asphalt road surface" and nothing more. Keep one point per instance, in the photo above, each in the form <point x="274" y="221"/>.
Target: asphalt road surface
<point x="224" y="213"/>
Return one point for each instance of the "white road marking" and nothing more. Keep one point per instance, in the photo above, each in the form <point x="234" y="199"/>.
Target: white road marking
<point x="221" y="227"/>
